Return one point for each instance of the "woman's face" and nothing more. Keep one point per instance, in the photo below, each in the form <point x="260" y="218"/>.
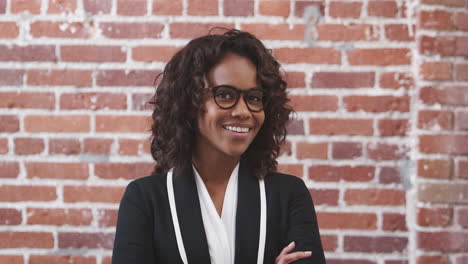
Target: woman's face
<point x="228" y="131"/>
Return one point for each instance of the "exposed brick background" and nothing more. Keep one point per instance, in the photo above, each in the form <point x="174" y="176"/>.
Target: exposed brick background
<point x="380" y="137"/>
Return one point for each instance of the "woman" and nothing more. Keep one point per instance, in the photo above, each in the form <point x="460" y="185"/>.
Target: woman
<point x="218" y="123"/>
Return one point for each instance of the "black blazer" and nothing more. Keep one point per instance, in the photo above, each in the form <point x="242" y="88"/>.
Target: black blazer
<point x="145" y="233"/>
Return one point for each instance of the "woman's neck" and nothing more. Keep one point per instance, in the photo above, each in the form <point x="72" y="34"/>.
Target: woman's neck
<point x="214" y="168"/>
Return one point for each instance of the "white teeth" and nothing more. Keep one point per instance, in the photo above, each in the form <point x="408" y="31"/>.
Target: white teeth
<point x="237" y="129"/>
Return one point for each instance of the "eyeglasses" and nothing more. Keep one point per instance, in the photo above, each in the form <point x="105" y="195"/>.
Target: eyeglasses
<point x="227" y="96"/>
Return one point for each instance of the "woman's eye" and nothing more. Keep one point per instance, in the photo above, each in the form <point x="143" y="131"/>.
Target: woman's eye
<point x="224" y="96"/>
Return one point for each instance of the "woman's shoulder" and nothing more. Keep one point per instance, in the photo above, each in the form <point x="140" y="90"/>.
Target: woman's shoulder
<point x="151" y="185"/>
<point x="283" y="181"/>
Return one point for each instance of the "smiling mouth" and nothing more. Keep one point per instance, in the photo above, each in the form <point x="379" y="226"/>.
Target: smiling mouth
<point x="237" y="129"/>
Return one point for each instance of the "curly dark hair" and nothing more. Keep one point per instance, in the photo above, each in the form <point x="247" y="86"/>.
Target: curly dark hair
<point x="178" y="98"/>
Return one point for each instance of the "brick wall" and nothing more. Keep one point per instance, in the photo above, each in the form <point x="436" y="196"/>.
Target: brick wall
<point x="380" y="88"/>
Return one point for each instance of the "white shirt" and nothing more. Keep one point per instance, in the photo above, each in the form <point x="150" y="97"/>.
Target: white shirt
<point x="220" y="231"/>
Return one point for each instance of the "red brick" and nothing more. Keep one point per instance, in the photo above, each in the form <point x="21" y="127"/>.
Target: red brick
<point x="394" y="222"/>
<point x="325" y="196"/>
<point x="62" y="123"/>
<point x="15" y="193"/>
<point x="66" y="146"/>
<point x="79" y="53"/>
<point x="276" y="31"/>
<point x="460" y="19"/>
<point x="123" y="124"/>
<point x="292" y="169"/>
<point x="286" y="148"/>
<point x="153" y="53"/>
<point x="3" y="9"/>
<point x="10" y="216"/>
<point x="461" y="120"/>
<point x="96" y="194"/>
<point x="436" y="71"/>
<point x="133" y="147"/>
<point x="449" y="242"/>
<point x="9" y="169"/>
<point x="447" y="144"/>
<point x="66" y="77"/>
<point x="396" y="80"/>
<point x="11" y="77"/>
<point x="64" y="29"/>
<point x="295" y="79"/>
<point x="434" y="216"/>
<point x="123" y="30"/>
<point x="375" y="197"/>
<point x="324" y="126"/>
<point x="341" y="173"/>
<point x="317" y="103"/>
<point x="380" y="57"/>
<point x="41" y="100"/>
<point x="307" y="150"/>
<point x="3" y="146"/>
<point x="446" y="95"/>
<point x="300" y="6"/>
<point x="126" y="78"/>
<point x="61" y="6"/>
<point x="97" y="7"/>
<point x="382" y="8"/>
<point x="59" y="216"/>
<point x="444" y="45"/>
<point x="185" y="30"/>
<point x="50" y="170"/>
<point x="123" y="170"/>
<point x="238" y="7"/>
<point x="454" y="3"/>
<point x="435" y="120"/>
<point x="10" y="239"/>
<point x="435" y="169"/>
<point x="27" y="53"/>
<point x="443" y="193"/>
<point x="462" y="259"/>
<point x="28" y="146"/>
<point x="107" y="217"/>
<point x="10" y="259"/>
<point x="9" y="123"/>
<point x="274" y="8"/>
<point x="346" y="150"/>
<point x="377" y="104"/>
<point x="462" y="169"/>
<point x="329" y="242"/>
<point x="435" y="19"/>
<point x="353" y="32"/>
<point x="295" y="127"/>
<point x="383" y="151"/>
<point x="461" y="72"/>
<point x="393" y="127"/>
<point x="343" y="9"/>
<point x="97" y="145"/>
<point x="167" y="7"/>
<point x="462" y="217"/>
<point x="308" y="55"/>
<point x="107" y="260"/>
<point x="8" y="30"/>
<point x="389" y="175"/>
<point x="61" y="259"/>
<point x="399" y="32"/>
<point x="93" y="101"/>
<point x="202" y="7"/>
<point x="85" y="240"/>
<point x="341" y="220"/>
<point x="350" y="261"/>
<point x="140" y="101"/>
<point x="343" y="80"/>
<point x="379" y="244"/>
<point x="433" y="260"/>
<point x="31" y="6"/>
<point x="131" y="8"/>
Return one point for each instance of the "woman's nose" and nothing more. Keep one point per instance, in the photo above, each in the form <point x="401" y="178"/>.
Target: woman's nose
<point x="240" y="109"/>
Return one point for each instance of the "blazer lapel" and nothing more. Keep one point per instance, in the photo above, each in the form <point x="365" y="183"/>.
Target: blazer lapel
<point x="190" y="218"/>
<point x="248" y="217"/>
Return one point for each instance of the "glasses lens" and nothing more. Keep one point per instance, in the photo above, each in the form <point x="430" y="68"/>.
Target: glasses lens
<point x="255" y="99"/>
<point x="225" y="96"/>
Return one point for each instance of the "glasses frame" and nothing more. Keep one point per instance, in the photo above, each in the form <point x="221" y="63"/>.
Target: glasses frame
<point x="244" y="93"/>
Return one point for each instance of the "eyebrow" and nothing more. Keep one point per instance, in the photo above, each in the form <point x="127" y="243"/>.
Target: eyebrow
<point x="256" y="87"/>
